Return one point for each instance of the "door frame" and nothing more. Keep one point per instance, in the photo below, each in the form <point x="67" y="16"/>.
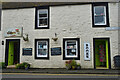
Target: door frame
<point x="7" y="49"/>
<point x="109" y="55"/>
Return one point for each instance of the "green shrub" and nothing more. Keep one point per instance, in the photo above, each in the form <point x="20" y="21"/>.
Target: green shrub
<point x="2" y="65"/>
<point x="73" y="63"/>
<point x="23" y="65"/>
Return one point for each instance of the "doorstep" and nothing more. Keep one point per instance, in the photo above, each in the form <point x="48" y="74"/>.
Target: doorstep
<point x="11" y="67"/>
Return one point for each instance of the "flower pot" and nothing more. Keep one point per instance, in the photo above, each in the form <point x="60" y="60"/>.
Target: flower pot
<point x="78" y="67"/>
<point x="73" y="67"/>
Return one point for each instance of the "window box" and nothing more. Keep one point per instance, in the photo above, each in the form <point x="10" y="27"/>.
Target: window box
<point x="41" y="48"/>
<point x="42" y="18"/>
<point x="100" y="15"/>
<point x="71" y="49"/>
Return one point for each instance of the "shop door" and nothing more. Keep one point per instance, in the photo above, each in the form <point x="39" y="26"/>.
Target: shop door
<point x="12" y="52"/>
<point x="102" y="55"/>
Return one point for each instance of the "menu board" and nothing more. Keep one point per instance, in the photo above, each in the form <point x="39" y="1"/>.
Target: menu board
<point x="56" y="51"/>
<point x="27" y="51"/>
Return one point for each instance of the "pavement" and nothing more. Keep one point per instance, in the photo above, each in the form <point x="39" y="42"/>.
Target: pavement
<point x="63" y="71"/>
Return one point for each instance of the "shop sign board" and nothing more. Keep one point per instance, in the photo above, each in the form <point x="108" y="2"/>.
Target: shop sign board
<point x="56" y="51"/>
<point x="27" y="51"/>
<point x="13" y="32"/>
<point x="86" y="51"/>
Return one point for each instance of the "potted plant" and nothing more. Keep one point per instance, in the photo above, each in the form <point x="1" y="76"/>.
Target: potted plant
<point x="78" y="66"/>
<point x="68" y="64"/>
<point x="23" y="65"/>
<point x="2" y="65"/>
<point x="27" y="66"/>
<point x="73" y="64"/>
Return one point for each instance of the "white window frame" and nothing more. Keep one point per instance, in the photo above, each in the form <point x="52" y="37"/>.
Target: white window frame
<point x="104" y="16"/>
<point x="71" y="56"/>
<point x="38" y="18"/>
<point x="39" y="48"/>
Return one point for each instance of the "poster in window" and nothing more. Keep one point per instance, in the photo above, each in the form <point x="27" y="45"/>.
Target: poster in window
<point x="86" y="51"/>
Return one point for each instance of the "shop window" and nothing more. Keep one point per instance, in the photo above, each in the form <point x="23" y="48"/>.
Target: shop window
<point x="71" y="49"/>
<point x="42" y="18"/>
<point x="42" y="49"/>
<point x="100" y="15"/>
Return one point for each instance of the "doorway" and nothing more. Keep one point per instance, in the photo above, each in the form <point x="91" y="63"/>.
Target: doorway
<point x="12" y="55"/>
<point x="101" y="53"/>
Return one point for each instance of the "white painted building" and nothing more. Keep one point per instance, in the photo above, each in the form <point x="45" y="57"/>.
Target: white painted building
<point x="84" y="31"/>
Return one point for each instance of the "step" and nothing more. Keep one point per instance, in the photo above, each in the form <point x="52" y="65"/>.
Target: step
<point x="11" y="66"/>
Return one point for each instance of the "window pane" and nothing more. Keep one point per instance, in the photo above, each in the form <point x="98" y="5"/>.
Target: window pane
<point x="99" y="20"/>
<point x="43" y="17"/>
<point x="99" y="10"/>
<point x="99" y="15"/>
<point x="71" y="48"/>
<point x="42" y="49"/>
<point x="43" y="22"/>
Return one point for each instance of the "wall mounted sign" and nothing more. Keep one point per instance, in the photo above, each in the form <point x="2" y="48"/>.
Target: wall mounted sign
<point x="13" y="32"/>
<point x="112" y="28"/>
<point x="86" y="51"/>
<point x="56" y="51"/>
<point x="27" y="51"/>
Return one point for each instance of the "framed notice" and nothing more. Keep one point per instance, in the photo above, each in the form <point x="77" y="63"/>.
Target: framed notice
<point x="56" y="51"/>
<point x="27" y="51"/>
<point x="86" y="51"/>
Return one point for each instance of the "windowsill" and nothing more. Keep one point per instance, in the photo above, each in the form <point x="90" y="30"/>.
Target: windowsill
<point x="42" y="27"/>
<point x="100" y="26"/>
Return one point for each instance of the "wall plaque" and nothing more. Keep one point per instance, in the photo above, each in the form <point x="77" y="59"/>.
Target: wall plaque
<point x="27" y="51"/>
<point x="56" y="51"/>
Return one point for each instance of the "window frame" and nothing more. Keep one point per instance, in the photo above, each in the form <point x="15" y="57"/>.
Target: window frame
<point x="106" y="15"/>
<point x="37" y="16"/>
<point x="36" y="49"/>
<point x="77" y="57"/>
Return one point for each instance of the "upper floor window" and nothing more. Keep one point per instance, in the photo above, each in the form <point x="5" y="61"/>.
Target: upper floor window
<point x="42" y="18"/>
<point x="100" y="15"/>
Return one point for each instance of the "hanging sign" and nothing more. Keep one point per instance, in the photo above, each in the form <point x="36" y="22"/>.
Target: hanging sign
<point x="13" y="32"/>
<point x="86" y="51"/>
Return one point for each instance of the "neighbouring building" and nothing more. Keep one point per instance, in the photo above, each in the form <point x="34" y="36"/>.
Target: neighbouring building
<point x="48" y="34"/>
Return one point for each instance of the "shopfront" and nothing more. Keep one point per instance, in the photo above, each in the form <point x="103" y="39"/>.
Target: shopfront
<point x="12" y="47"/>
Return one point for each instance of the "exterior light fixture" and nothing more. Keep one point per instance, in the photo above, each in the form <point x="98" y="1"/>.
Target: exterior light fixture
<point x="55" y="38"/>
<point x="25" y="38"/>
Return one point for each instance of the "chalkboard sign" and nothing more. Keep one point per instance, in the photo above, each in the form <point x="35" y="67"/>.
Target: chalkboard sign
<point x="27" y="51"/>
<point x="56" y="51"/>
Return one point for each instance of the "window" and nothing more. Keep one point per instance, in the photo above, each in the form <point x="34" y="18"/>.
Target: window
<point x="42" y="18"/>
<point x="100" y="15"/>
<point x="71" y="49"/>
<point x="42" y="49"/>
